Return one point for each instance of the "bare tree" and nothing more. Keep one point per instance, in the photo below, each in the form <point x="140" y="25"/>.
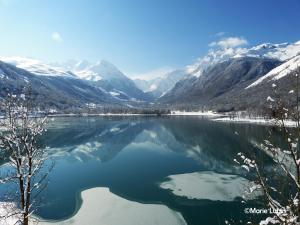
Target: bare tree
<point x="20" y="130"/>
<point x="280" y="185"/>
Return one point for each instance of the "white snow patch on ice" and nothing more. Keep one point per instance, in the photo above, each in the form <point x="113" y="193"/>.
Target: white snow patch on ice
<point x="207" y="185"/>
<point x="101" y="207"/>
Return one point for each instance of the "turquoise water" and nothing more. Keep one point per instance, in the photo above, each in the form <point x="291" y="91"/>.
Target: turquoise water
<point x="133" y="155"/>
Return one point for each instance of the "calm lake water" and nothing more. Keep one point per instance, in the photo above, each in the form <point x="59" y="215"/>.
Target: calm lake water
<point x="133" y="155"/>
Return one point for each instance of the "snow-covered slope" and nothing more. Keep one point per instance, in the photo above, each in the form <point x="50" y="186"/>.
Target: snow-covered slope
<point x="279" y="72"/>
<point x="36" y="67"/>
<point x="282" y="52"/>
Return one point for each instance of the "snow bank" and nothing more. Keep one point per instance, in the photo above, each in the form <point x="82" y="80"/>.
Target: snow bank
<point x="101" y="207"/>
<point x="207" y="185"/>
<point x="7" y="216"/>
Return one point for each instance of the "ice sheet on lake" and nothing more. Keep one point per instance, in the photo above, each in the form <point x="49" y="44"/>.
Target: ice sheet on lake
<point x="101" y="207"/>
<point x="207" y="185"/>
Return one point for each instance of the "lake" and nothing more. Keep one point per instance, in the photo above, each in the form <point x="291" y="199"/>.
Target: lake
<point x="132" y="156"/>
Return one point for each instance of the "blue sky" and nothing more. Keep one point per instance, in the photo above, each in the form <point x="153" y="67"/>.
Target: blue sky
<point x="139" y="36"/>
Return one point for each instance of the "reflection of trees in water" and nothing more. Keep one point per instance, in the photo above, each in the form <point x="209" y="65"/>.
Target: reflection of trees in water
<point x="212" y="143"/>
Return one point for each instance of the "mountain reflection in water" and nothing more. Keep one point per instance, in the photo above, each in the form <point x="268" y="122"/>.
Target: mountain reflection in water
<point x="133" y="155"/>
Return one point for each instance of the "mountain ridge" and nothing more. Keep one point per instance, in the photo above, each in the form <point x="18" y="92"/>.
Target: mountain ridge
<point x="213" y="81"/>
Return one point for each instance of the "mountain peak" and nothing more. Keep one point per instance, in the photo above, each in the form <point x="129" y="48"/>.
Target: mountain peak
<point x="106" y="63"/>
<point x="106" y="70"/>
<point x="108" y="66"/>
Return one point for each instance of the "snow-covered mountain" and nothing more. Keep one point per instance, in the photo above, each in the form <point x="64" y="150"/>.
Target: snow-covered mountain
<point x="215" y="80"/>
<point x="108" y="77"/>
<point x="219" y="84"/>
<point x="58" y="92"/>
<point x="103" y="75"/>
<point x="221" y="78"/>
<point x="280" y="52"/>
<point x="269" y="55"/>
<point x="84" y="83"/>
<point x="98" y="71"/>
<point x="36" y="67"/>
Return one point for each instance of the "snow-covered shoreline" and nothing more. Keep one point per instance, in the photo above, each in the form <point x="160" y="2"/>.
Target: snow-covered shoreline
<point x="270" y="122"/>
<point x="7" y="210"/>
<point x="173" y="113"/>
<point x="222" y="117"/>
<point x="195" y="113"/>
<point x="102" y="207"/>
<point x="211" y="115"/>
<point x="100" y="114"/>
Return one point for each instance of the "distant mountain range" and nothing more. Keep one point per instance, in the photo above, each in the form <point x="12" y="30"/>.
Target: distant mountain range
<point x="57" y="92"/>
<point x="161" y="85"/>
<point x="238" y="79"/>
<point x="224" y="79"/>
<point x="102" y="75"/>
